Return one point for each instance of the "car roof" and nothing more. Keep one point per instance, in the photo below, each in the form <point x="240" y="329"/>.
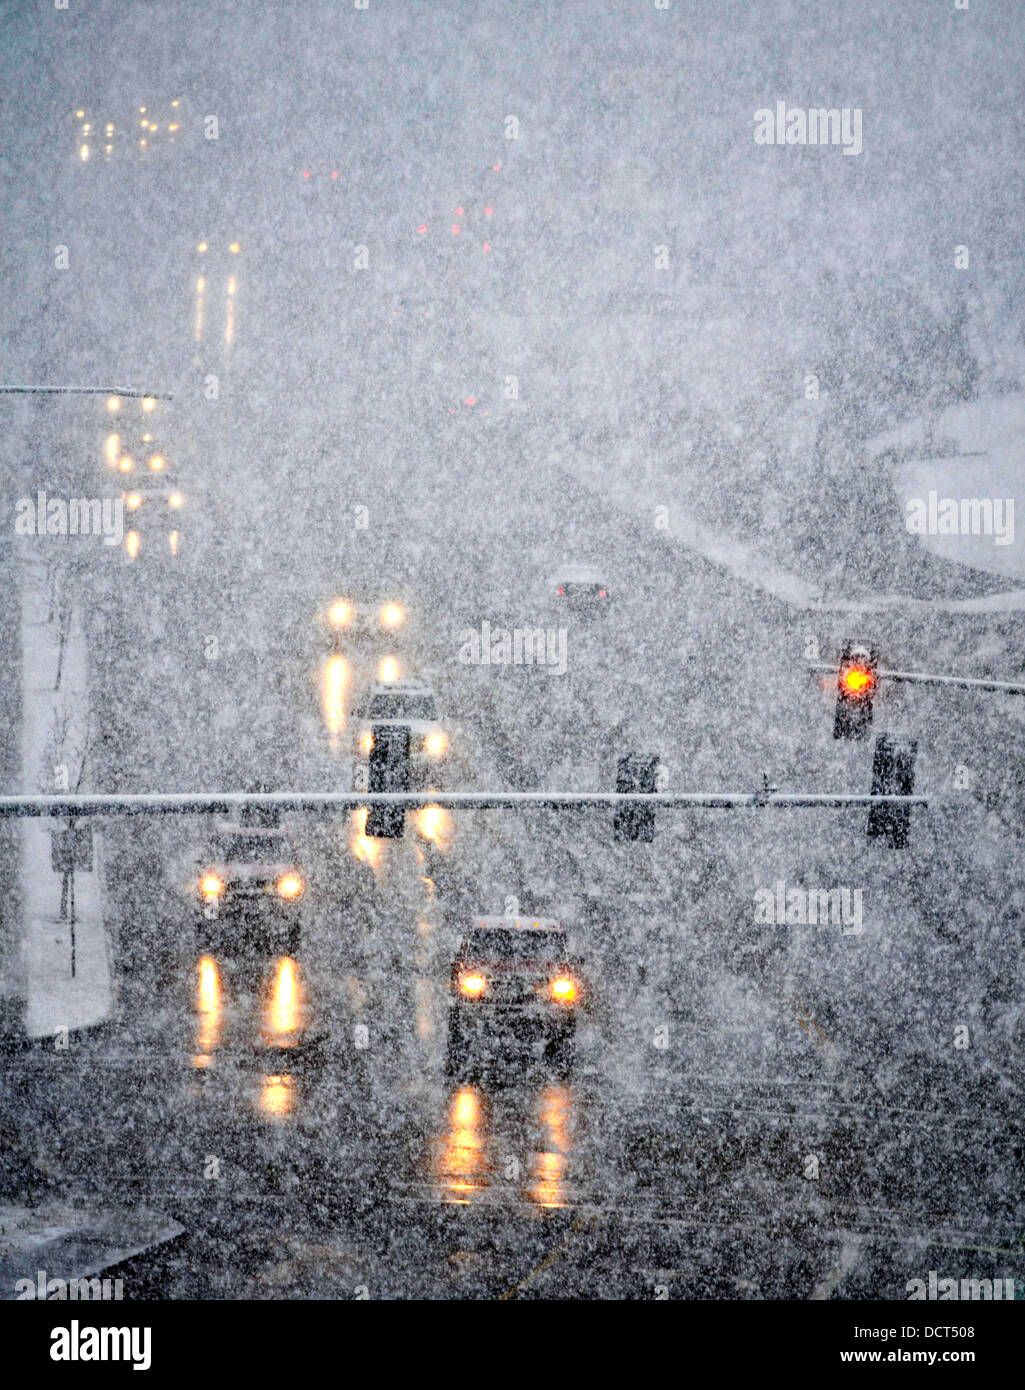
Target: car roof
<point x="524" y="924"/>
<point x="401" y="688"/>
<point x="151" y="488"/>
<point x="589" y="574"/>
<point x="232" y="827"/>
<point x="374" y="587"/>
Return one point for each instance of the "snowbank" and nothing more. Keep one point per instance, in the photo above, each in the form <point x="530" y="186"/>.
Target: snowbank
<point x="60" y="993"/>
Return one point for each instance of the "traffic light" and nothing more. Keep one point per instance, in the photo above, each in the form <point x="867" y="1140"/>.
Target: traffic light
<point x="893" y="774"/>
<point x="260" y="817"/>
<point x="856" y="684"/>
<point x="389" y="772"/>
<point x="637" y="772"/>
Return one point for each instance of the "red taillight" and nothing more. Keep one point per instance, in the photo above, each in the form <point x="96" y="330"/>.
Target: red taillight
<point x="560" y="591"/>
<point x="459" y="212"/>
<point x="306" y="173"/>
<point x="602" y="593"/>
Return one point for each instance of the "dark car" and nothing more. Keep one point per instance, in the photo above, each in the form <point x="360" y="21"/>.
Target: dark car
<point x="582" y="589"/>
<point x="514" y="991"/>
<point x="250" y="889"/>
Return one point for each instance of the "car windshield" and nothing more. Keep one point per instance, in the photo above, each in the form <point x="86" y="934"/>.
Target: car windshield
<point x="497" y="944"/>
<point x="399" y="706"/>
<point x="252" y="849"/>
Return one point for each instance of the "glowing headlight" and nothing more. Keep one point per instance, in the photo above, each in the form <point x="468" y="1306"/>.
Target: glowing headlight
<point x="133" y="501"/>
<point x="563" y="989"/>
<point x="392" y="615"/>
<point x="339" y="613"/>
<point x="211" y="886"/>
<point x="435" y="745"/>
<point x="175" y="500"/>
<point x="472" y="984"/>
<point x="289" y="886"/>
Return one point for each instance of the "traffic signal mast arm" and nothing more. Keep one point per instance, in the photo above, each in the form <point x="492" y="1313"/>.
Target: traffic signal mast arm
<point x="84" y="391"/>
<point x="224" y="803"/>
<point x="925" y="678"/>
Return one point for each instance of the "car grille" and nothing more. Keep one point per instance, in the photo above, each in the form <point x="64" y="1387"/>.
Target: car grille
<point x="249" y="888"/>
<point x="512" y="989"/>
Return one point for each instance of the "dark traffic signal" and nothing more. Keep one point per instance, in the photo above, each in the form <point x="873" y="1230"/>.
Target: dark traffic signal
<point x="389" y="772"/>
<point x="637" y="772"/>
<point x="893" y="774"/>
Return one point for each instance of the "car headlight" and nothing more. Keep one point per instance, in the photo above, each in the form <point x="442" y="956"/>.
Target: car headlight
<point x="472" y="984"/>
<point x="340" y="613"/>
<point x="211" y="886"/>
<point x="392" y="615"/>
<point x="435" y="745"/>
<point x="289" y="886"/>
<point x="563" y="989"/>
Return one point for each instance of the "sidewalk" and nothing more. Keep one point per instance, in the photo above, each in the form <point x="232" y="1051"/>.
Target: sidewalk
<point x="55" y="731"/>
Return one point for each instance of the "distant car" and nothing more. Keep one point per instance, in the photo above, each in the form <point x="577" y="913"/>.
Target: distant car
<point x="409" y="704"/>
<point x="514" y="990"/>
<point x="369" y="613"/>
<point x="152" y="515"/>
<point x="583" y="589"/>
<point x="249" y="890"/>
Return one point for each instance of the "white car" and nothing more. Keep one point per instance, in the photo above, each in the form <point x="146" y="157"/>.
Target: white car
<point x="410" y="704"/>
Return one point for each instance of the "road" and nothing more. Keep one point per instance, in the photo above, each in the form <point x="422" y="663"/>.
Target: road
<point x="757" y="1109"/>
<point x="726" y="1062"/>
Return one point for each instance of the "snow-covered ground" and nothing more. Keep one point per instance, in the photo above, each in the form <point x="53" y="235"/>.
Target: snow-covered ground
<point x="975" y="449"/>
<point x="55" y="735"/>
<point x="991" y="463"/>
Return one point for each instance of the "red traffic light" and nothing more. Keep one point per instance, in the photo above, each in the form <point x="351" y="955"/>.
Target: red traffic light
<point x="857" y="680"/>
